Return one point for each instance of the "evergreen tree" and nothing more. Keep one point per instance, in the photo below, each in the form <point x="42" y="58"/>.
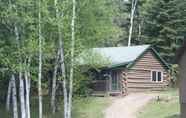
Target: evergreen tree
<point x="164" y="26"/>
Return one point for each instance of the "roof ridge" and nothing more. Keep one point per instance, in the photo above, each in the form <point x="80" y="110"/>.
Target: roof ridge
<point x="124" y="46"/>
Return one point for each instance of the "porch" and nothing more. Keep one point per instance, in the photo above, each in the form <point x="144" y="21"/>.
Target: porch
<point x="110" y="85"/>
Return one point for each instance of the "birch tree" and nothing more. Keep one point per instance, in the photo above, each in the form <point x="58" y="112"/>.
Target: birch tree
<point x="14" y="97"/>
<point x="19" y="61"/>
<point x="21" y="81"/>
<point x="61" y="60"/>
<point x="40" y="60"/>
<point x="132" y="14"/>
<point x="72" y="58"/>
<point x="27" y="87"/>
<point x="54" y="79"/>
<point x="9" y="95"/>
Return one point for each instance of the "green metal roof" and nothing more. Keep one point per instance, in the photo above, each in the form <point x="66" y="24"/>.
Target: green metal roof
<point x="121" y="55"/>
<point x="126" y="56"/>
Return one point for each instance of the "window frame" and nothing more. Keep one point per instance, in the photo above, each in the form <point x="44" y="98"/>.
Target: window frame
<point x="157" y="71"/>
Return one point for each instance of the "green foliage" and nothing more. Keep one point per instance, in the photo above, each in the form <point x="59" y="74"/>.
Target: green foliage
<point x="174" y="72"/>
<point x="81" y="84"/>
<point x="88" y="59"/>
<point x="122" y="20"/>
<point x="160" y="23"/>
<point x="94" y="25"/>
<point x="82" y="108"/>
<point x="164" y="26"/>
<point x="93" y="59"/>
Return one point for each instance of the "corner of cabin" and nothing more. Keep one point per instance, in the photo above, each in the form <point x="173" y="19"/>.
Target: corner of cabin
<point x="147" y="73"/>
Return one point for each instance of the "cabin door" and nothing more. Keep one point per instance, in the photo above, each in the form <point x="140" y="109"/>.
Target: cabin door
<point x="115" y="81"/>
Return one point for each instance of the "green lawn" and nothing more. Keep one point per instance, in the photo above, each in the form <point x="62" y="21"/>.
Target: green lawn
<point x="167" y="107"/>
<point x="91" y="107"/>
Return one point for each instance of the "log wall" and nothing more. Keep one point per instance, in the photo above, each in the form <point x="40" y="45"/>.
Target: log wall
<point x="139" y="76"/>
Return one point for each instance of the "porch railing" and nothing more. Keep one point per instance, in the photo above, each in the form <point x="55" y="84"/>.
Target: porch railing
<point x="100" y="85"/>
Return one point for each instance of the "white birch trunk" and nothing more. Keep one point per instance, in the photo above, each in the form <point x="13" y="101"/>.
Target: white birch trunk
<point x="63" y="72"/>
<point x="21" y="82"/>
<point x="27" y="87"/>
<point x="40" y="62"/>
<point x="62" y="64"/>
<point x="21" y="96"/>
<point x="139" y="31"/>
<point x="72" y="59"/>
<point x="28" y="74"/>
<point x="133" y="9"/>
<point x="14" y="97"/>
<point x="10" y="82"/>
<point x="9" y="95"/>
<point x="53" y="96"/>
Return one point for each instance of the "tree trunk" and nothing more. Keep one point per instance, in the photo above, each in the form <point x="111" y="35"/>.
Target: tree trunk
<point x="27" y="87"/>
<point x="63" y="72"/>
<point x="65" y="99"/>
<point x="14" y="97"/>
<point x="62" y="63"/>
<point x="139" y="32"/>
<point x="40" y="62"/>
<point x="9" y="95"/>
<point x="10" y="82"/>
<point x="21" y="82"/>
<point x="21" y="96"/>
<point x="72" y="59"/>
<point x="53" y="96"/>
<point x="133" y="9"/>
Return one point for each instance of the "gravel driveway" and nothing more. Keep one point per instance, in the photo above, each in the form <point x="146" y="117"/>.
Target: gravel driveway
<point x="127" y="107"/>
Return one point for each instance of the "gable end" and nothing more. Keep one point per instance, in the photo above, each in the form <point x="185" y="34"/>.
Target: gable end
<point x="155" y="55"/>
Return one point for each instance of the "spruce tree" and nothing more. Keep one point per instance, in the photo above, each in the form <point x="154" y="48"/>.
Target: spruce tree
<point x="164" y="26"/>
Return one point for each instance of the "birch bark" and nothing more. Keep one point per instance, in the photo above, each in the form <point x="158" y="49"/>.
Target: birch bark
<point x="139" y="32"/>
<point x="62" y="63"/>
<point x="14" y="97"/>
<point x="27" y="87"/>
<point x="8" y="95"/>
<point x="133" y="9"/>
<point x="21" y="81"/>
<point x="21" y="96"/>
<point x="40" y="61"/>
<point x="53" y="96"/>
<point x="72" y="58"/>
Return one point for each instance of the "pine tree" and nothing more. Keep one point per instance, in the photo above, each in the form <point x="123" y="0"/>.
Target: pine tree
<point x="164" y="26"/>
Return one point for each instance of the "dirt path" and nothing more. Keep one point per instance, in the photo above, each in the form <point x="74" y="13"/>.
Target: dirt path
<point x="127" y="107"/>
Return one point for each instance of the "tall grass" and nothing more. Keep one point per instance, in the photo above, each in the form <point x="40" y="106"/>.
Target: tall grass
<point x="166" y="107"/>
<point x="90" y="107"/>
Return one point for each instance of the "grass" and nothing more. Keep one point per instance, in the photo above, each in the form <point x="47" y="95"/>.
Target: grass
<point x="167" y="107"/>
<point x="91" y="107"/>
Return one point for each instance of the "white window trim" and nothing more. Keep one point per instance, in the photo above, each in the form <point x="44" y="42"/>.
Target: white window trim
<point x="162" y="74"/>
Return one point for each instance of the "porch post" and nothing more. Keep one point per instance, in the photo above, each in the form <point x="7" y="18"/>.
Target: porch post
<point x="108" y="82"/>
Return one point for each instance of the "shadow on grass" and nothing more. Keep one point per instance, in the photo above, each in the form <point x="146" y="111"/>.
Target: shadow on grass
<point x="173" y="116"/>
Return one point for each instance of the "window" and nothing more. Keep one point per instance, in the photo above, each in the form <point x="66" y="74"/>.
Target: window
<point x="157" y="76"/>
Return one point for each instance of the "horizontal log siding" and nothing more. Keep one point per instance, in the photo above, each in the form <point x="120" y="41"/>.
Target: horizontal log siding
<point x="139" y="76"/>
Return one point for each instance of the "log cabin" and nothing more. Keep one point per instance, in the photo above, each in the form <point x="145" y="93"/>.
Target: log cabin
<point x="181" y="61"/>
<point x="137" y="68"/>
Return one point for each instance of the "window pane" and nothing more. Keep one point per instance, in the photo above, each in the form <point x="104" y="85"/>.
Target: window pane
<point x="159" y="76"/>
<point x="153" y="75"/>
